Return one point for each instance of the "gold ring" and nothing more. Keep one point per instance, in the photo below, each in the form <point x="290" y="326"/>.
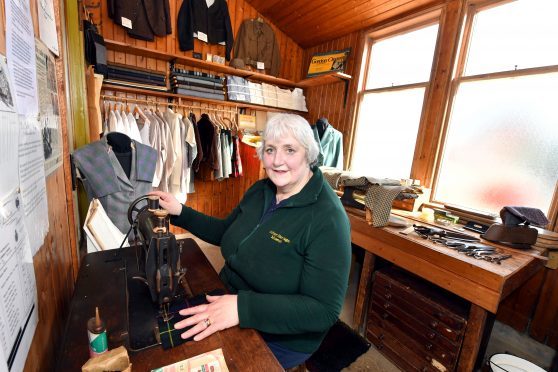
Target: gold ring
<point x="207" y="322"/>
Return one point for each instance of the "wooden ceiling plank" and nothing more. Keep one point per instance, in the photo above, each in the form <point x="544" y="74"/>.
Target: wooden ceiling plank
<point x="314" y="36"/>
<point x="341" y="24"/>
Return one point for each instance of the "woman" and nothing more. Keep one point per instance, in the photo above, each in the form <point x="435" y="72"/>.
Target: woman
<point x="286" y="246"/>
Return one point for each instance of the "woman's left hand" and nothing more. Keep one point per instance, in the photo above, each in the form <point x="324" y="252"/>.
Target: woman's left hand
<point x="219" y="314"/>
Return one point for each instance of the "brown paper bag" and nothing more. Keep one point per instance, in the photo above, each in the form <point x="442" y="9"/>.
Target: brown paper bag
<point x="113" y="360"/>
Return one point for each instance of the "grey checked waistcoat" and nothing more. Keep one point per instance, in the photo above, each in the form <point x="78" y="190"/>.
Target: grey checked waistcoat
<point x="104" y="178"/>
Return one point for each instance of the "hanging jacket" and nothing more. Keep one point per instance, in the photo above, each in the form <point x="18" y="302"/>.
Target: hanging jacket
<point x="214" y="21"/>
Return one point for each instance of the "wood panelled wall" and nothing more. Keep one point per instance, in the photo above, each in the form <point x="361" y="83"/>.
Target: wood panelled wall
<point x="329" y="100"/>
<point x="56" y="261"/>
<point x="215" y="198"/>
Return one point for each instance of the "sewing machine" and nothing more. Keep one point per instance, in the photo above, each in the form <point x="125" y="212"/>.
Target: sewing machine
<point x="159" y="259"/>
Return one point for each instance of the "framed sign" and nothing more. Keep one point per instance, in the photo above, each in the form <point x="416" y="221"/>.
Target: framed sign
<point x="322" y="63"/>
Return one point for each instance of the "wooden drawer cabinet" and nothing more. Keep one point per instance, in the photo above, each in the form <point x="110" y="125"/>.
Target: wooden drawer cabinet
<point x="414" y="322"/>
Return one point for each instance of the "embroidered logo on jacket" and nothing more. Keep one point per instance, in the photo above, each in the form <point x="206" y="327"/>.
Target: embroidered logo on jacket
<point x="278" y="237"/>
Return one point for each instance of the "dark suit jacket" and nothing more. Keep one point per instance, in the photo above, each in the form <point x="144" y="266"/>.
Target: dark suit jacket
<point x="215" y="22"/>
<point x="148" y="17"/>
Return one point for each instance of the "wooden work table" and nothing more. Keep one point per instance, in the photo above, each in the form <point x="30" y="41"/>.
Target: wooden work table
<point x="101" y="282"/>
<point x="484" y="284"/>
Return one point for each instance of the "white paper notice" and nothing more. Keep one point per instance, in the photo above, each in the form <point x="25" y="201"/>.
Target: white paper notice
<point x="32" y="182"/>
<point x="49" y="115"/>
<point x="18" y="290"/>
<point x="47" y="25"/>
<point x="9" y="133"/>
<point x="20" y="50"/>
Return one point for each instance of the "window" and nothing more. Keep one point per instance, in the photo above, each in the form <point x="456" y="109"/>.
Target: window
<point x="391" y="103"/>
<point x="501" y="143"/>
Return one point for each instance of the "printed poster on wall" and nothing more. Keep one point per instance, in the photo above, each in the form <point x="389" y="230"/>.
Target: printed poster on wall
<point x="18" y="292"/>
<point x="47" y="25"/>
<point x="32" y="182"/>
<point x="9" y="133"/>
<point x="49" y="115"/>
<point x="20" y="50"/>
<point x="334" y="61"/>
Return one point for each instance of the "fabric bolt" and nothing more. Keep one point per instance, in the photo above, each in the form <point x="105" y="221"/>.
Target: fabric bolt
<point x="256" y="93"/>
<point x="119" y="71"/>
<point x="269" y="95"/>
<point x="284" y="99"/>
<point x="197" y="81"/>
<point x="238" y="89"/>
<point x="104" y="178"/>
<point x="290" y="272"/>
<point x="256" y="42"/>
<point x="214" y="21"/>
<point x="175" y="87"/>
<point x="299" y="100"/>
<point x="193" y="93"/>
<point x="146" y="18"/>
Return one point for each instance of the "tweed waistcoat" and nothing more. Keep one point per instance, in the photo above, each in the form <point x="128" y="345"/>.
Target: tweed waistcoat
<point x="104" y="178"/>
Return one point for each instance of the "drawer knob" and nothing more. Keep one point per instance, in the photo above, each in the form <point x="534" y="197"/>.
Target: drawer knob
<point x="431" y="335"/>
<point x="428" y="346"/>
<point x="387" y="305"/>
<point x="434" y="324"/>
<point x="388" y="296"/>
<point x="385" y="315"/>
<point x="381" y="336"/>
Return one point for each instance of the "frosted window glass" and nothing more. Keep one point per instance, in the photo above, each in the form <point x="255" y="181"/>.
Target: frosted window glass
<point x="522" y="33"/>
<point x="387" y="132"/>
<point x="402" y="59"/>
<point x="502" y="144"/>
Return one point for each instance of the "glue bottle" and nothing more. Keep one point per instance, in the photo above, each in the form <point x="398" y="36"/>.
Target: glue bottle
<point x="97" y="335"/>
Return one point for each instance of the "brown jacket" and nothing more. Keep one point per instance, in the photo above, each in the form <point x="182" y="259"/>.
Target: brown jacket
<point x="256" y="42"/>
<point x="148" y="17"/>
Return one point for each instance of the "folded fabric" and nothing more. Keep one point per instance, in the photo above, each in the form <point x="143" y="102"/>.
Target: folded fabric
<point x="193" y="93"/>
<point x="517" y="215"/>
<point x="380" y="192"/>
<point x="170" y="337"/>
<point x="256" y="93"/>
<point x="238" y="89"/>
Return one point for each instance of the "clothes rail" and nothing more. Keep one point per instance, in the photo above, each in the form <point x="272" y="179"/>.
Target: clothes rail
<point x="159" y="103"/>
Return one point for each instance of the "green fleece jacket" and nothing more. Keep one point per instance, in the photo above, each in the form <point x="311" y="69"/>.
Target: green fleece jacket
<point x="291" y="270"/>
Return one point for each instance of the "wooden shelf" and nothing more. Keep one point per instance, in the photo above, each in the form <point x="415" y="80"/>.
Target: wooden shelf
<point x="155" y="93"/>
<point x="327" y="78"/>
<point x="197" y="63"/>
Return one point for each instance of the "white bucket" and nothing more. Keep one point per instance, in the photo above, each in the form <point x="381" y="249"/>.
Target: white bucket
<point x="511" y="363"/>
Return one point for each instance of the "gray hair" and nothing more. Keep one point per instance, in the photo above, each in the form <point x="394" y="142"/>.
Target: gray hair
<point x="281" y="125"/>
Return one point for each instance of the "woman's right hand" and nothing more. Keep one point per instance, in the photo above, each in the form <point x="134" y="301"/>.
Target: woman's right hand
<point x="168" y="202"/>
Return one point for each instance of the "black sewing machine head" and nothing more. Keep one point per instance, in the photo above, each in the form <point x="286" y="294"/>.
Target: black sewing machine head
<point x="159" y="260"/>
